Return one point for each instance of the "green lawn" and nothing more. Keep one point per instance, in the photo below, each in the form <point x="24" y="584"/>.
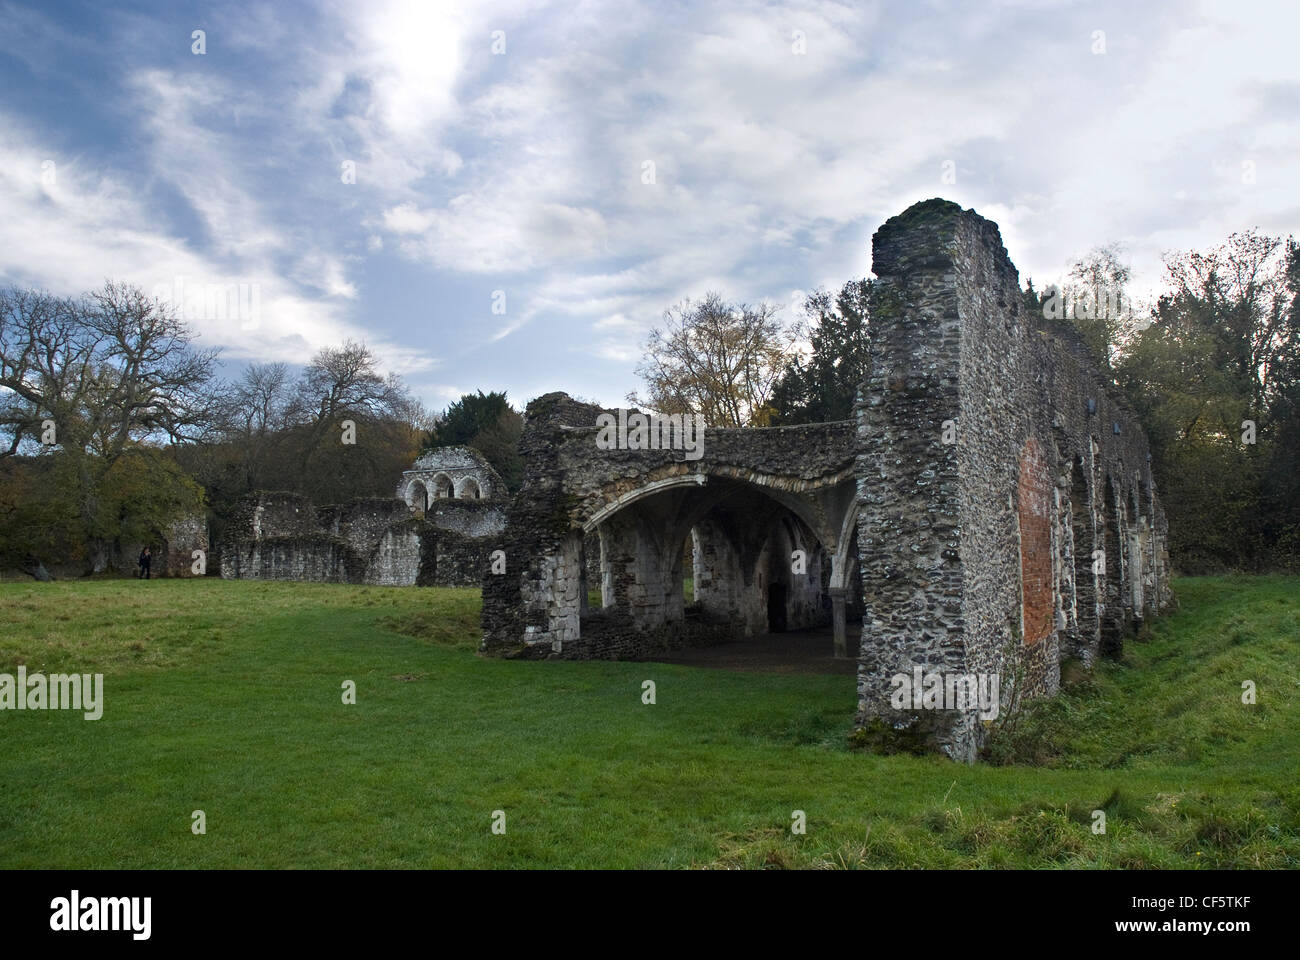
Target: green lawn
<point x="226" y="697"/>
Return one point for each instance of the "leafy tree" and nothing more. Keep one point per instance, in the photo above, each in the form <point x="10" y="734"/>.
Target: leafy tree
<point x="1222" y="350"/>
<point x="140" y="494"/>
<point x="1033" y="302"/>
<point x="466" y="418"/>
<point x="499" y="443"/>
<point x="39" y="513"/>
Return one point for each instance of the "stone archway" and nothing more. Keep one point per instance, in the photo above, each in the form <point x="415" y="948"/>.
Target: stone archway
<point x="757" y="567"/>
<point x="417" y="496"/>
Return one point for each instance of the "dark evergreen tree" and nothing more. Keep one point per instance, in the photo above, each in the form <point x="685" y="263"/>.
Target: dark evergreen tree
<point x="486" y="422"/>
<point x="824" y="385"/>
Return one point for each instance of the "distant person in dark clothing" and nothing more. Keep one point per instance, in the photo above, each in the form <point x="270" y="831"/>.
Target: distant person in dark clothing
<point x="146" y="558"/>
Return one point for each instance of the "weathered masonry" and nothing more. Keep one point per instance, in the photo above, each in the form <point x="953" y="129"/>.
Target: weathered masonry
<point x="460" y="473"/>
<point x="745" y="507"/>
<point x="438" y="531"/>
<point x="988" y="512"/>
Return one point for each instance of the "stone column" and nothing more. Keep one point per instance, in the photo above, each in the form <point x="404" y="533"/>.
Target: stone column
<point x="839" y="621"/>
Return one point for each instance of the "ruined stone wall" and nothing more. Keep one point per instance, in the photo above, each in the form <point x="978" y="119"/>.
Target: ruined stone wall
<point x="181" y="539"/>
<point x="317" y="559"/>
<point x="274" y="514"/>
<point x="173" y="550"/>
<point x="908" y="485"/>
<point x="643" y="506"/>
<point x="469" y="518"/>
<point x="282" y="536"/>
<point x="362" y="523"/>
<point x="451" y="559"/>
<point x="968" y="549"/>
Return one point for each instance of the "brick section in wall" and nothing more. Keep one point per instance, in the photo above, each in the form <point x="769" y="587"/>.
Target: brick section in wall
<point x="1038" y="602"/>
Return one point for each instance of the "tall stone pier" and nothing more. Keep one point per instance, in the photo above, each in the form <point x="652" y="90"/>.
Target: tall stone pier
<point x="1007" y="515"/>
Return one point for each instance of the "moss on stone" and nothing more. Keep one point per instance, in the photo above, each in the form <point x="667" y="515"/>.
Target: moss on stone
<point x="917" y="737"/>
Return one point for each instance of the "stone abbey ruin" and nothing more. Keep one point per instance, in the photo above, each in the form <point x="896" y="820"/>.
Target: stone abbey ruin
<point x="988" y="511"/>
<point x="438" y="531"/>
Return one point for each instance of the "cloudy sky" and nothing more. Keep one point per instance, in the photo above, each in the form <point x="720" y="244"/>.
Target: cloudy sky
<point x="392" y="171"/>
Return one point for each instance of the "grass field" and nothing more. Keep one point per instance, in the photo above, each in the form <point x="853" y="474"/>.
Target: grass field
<point x="225" y="696"/>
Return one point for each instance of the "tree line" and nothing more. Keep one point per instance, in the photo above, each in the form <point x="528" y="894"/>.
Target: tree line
<point x="114" y="424"/>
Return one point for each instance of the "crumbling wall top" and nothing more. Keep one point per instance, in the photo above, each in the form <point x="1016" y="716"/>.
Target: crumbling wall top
<point x="925" y="237"/>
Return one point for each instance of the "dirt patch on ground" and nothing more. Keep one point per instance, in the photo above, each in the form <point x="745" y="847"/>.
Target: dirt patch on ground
<point x="802" y="651"/>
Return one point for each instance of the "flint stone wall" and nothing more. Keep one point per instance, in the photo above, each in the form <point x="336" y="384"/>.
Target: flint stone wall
<point x="574" y="502"/>
<point x="173" y="551"/>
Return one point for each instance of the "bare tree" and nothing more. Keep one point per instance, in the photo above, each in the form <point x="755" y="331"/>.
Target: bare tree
<point x="415" y="415"/>
<point x="109" y="372"/>
<point x="716" y="358"/>
<point x="259" y="402"/>
<point x="345" y="383"/>
<point x="150" y="380"/>
<point x="257" y="411"/>
<point x="46" y="359"/>
<point x="1096" y="300"/>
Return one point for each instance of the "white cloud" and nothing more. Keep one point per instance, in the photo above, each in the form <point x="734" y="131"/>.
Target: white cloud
<point x="89" y="226"/>
<point x="771" y="168"/>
